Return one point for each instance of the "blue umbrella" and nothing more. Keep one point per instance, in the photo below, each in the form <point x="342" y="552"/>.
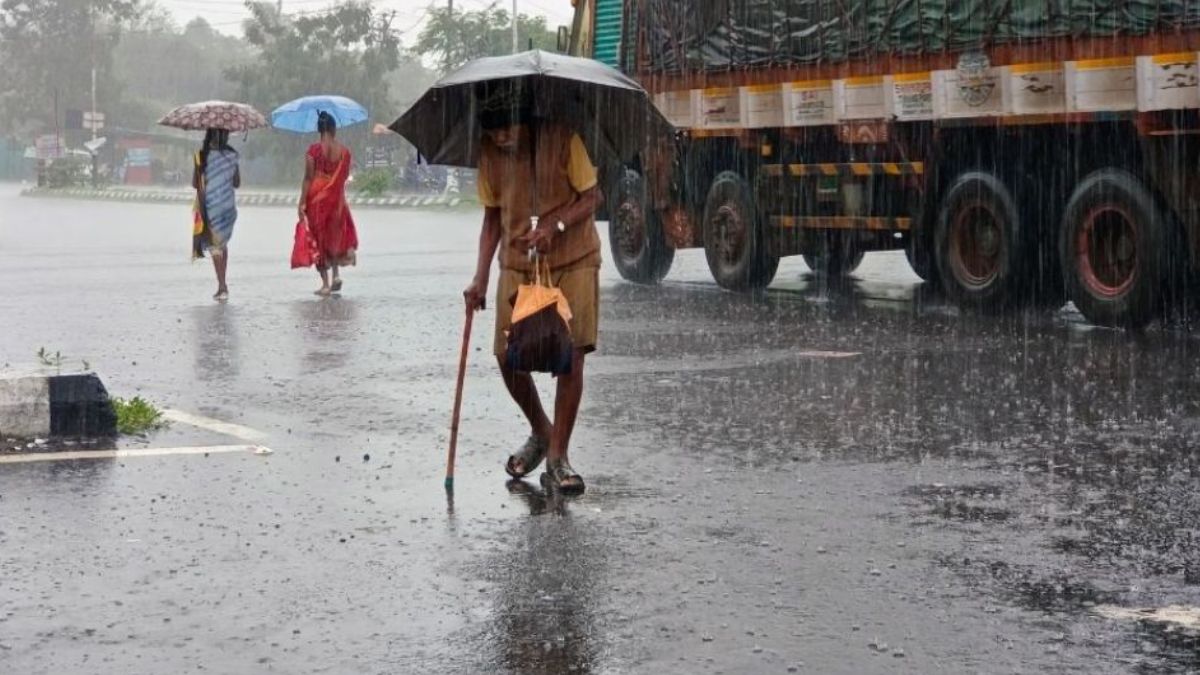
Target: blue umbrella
<point x="300" y="115"/>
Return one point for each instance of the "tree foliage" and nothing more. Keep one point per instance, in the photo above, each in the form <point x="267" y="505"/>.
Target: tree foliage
<point x="455" y="37"/>
<point x="347" y="50"/>
<point x="47" y="49"/>
<point x="164" y="67"/>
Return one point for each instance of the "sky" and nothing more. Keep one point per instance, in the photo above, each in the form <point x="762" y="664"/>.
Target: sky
<point x="227" y="15"/>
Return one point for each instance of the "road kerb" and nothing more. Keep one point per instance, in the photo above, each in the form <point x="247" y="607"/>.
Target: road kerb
<point x="73" y="455"/>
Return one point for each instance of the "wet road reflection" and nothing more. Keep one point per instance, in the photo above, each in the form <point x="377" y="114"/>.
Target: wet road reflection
<point x="328" y="328"/>
<point x="216" y="329"/>
<point x="546" y="583"/>
<point x="1087" y="437"/>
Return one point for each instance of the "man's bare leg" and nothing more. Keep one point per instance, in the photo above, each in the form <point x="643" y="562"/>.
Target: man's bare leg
<point x="524" y="392"/>
<point x="566" y="407"/>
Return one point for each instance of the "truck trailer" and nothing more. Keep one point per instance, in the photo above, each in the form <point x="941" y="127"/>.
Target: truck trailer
<point x="1021" y="152"/>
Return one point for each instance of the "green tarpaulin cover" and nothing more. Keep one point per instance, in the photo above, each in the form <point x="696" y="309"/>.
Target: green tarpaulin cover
<point x="708" y="35"/>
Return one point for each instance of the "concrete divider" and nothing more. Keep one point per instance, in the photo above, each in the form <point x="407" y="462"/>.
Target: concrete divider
<point x="247" y="198"/>
<point x="41" y="404"/>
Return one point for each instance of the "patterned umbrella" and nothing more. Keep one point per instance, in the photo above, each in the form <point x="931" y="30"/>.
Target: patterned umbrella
<point x="214" y="115"/>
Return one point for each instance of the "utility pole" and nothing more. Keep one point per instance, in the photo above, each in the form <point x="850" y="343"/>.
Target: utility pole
<point x="95" y="152"/>
<point x="516" y="45"/>
<point x="93" y="17"/>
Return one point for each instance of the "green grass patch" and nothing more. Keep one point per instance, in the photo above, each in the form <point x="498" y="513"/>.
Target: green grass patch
<point x="137" y="416"/>
<point x="373" y="182"/>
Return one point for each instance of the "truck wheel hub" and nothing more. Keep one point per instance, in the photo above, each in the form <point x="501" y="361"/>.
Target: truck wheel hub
<point x="631" y="237"/>
<point x="730" y="228"/>
<point x="1106" y="251"/>
<point x="977" y="244"/>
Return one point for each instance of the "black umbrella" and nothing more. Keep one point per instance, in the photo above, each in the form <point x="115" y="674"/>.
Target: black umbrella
<point x="612" y="113"/>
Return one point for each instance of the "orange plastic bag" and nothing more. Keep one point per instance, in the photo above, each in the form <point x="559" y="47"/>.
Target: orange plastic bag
<point x="304" y="249"/>
<point x="539" y="339"/>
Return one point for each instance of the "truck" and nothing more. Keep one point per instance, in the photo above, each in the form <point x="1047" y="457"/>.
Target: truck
<point x="1022" y="153"/>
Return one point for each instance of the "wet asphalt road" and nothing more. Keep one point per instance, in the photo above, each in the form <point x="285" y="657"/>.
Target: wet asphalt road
<point x="853" y="479"/>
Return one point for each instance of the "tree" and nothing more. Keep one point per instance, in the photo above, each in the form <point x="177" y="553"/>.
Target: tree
<point x="47" y="48"/>
<point x="163" y="67"/>
<point x="348" y="50"/>
<point x="455" y="38"/>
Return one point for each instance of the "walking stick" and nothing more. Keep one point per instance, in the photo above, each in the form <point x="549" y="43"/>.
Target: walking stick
<point x="462" y="373"/>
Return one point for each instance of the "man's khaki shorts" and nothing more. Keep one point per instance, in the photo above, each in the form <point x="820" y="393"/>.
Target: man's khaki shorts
<point x="581" y="285"/>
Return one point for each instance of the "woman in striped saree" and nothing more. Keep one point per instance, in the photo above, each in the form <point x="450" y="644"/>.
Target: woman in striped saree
<point x="215" y="178"/>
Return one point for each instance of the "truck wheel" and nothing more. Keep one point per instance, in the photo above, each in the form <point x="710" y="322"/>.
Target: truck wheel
<point x="920" y="259"/>
<point x="980" y="243"/>
<point x="835" y="258"/>
<point x="734" y="241"/>
<point x="635" y="233"/>
<point x="1112" y="246"/>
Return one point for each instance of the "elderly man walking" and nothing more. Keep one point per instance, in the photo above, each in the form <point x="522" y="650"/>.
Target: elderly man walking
<point x="522" y="161"/>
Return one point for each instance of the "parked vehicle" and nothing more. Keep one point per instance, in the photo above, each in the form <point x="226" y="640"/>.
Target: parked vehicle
<point x="1018" y="155"/>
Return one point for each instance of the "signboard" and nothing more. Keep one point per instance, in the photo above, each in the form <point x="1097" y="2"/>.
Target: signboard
<point x="677" y="107"/>
<point x="1101" y="85"/>
<point x="808" y="103"/>
<point x="1036" y="88"/>
<point x="974" y="89"/>
<point x="763" y="105"/>
<point x="137" y="166"/>
<point x="720" y="108"/>
<point x="1168" y="82"/>
<point x="858" y="98"/>
<point x="93" y="121"/>
<point x="912" y="96"/>
<point x="137" y="157"/>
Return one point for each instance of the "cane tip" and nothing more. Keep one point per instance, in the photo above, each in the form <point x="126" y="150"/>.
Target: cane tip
<point x="449" y="484"/>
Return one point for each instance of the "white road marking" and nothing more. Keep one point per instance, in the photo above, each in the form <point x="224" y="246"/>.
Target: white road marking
<point x="129" y="452"/>
<point x="1180" y="615"/>
<point x="820" y="354"/>
<point x="227" y="428"/>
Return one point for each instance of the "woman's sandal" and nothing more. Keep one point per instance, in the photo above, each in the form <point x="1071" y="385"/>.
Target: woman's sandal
<point x="337" y="285"/>
<point x="530" y="456"/>
<point x="560" y="476"/>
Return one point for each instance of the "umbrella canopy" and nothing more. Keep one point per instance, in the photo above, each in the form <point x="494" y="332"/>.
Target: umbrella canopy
<point x="214" y="115"/>
<point x="613" y="114"/>
<point x="300" y="115"/>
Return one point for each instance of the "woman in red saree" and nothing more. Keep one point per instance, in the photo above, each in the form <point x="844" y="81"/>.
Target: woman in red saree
<point x="334" y="241"/>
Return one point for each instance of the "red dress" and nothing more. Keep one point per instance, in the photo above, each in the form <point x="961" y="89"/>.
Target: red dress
<point x="329" y="221"/>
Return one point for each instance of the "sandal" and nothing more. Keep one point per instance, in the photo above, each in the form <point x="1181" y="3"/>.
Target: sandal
<point x="560" y="476"/>
<point x="530" y="456"/>
<point x="337" y="285"/>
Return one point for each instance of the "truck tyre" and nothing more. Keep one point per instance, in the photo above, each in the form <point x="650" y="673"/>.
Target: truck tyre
<point x="635" y="232"/>
<point x="1113" y="249"/>
<point x="734" y="240"/>
<point x="836" y="257"/>
<point x="921" y="261"/>
<point x="919" y="249"/>
<point x="981" y="243"/>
